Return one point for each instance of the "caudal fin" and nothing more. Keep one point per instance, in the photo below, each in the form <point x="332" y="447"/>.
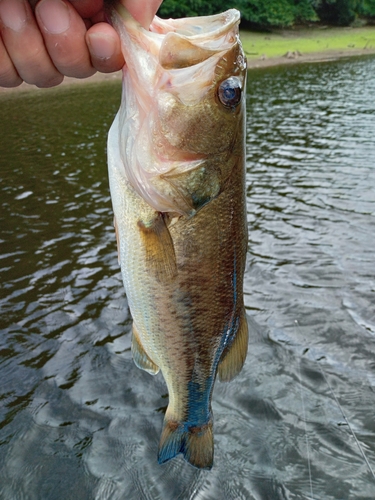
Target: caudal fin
<point x="195" y="443"/>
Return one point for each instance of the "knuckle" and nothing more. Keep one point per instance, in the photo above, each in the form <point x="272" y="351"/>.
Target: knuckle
<point x="41" y="74"/>
<point x="71" y="62"/>
<point x="9" y="77"/>
<point x="48" y="81"/>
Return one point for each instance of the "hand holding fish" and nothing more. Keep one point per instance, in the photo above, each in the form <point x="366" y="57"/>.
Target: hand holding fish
<point x="43" y="41"/>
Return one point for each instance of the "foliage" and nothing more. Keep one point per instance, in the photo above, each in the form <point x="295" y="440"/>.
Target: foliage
<point x="339" y="12"/>
<point x="275" y="13"/>
<point x="187" y="8"/>
<point x="258" y="12"/>
<point x="367" y="8"/>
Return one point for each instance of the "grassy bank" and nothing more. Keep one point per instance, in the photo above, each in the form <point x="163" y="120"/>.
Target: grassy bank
<point x="307" y="41"/>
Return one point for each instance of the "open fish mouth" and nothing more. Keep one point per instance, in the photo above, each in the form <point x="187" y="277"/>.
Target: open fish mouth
<point x="178" y="43"/>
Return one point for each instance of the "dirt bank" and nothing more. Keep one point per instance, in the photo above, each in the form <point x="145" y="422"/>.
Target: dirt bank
<point x="297" y="58"/>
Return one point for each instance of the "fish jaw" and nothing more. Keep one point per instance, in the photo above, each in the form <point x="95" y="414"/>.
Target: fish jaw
<point x="170" y="106"/>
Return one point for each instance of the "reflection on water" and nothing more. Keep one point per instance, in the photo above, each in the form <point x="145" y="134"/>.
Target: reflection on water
<point x="78" y="419"/>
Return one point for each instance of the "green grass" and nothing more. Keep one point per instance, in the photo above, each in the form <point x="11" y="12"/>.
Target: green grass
<point x="306" y="41"/>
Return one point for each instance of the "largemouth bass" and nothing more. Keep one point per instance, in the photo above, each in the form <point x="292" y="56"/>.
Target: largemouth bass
<point x="177" y="180"/>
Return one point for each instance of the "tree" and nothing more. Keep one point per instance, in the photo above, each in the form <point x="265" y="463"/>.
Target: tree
<point x="337" y="12"/>
<point x="263" y="13"/>
<point x="188" y="8"/>
<point x="277" y="12"/>
<point x="367" y="8"/>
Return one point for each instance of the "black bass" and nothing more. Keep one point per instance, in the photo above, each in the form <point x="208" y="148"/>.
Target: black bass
<point x="177" y="180"/>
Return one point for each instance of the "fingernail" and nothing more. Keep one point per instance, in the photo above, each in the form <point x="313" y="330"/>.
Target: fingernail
<point x="13" y="14"/>
<point x="101" y="46"/>
<point x="54" y="15"/>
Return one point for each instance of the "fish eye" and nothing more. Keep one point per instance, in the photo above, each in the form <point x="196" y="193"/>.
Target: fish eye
<point x="230" y="91"/>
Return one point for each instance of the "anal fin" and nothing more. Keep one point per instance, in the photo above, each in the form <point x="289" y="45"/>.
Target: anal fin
<point x="140" y="357"/>
<point x="160" y="254"/>
<point x="233" y="358"/>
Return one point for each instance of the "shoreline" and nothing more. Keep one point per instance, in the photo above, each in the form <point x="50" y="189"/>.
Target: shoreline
<point x="311" y="57"/>
<point x="290" y="58"/>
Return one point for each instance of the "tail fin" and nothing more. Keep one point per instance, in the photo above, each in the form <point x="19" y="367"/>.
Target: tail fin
<point x="195" y="443"/>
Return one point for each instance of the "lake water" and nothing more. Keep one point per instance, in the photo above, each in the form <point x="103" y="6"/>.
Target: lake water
<point x="78" y="420"/>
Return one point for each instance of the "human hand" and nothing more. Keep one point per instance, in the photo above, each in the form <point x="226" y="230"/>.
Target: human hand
<point x="43" y="41"/>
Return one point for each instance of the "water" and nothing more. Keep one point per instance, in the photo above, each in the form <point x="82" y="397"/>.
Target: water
<point x="78" y="420"/>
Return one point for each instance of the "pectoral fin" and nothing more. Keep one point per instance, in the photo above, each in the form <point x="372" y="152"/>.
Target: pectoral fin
<point x="233" y="359"/>
<point x="160" y="254"/>
<point x="194" y="188"/>
<point x="140" y="357"/>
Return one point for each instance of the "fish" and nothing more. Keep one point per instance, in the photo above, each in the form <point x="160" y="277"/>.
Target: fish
<point x="176" y="163"/>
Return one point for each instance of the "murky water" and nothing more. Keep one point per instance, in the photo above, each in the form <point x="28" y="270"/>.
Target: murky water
<point x="78" y="420"/>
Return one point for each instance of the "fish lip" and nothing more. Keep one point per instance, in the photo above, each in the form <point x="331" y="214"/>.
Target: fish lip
<point x="229" y="19"/>
<point x="208" y="34"/>
<point x="162" y="27"/>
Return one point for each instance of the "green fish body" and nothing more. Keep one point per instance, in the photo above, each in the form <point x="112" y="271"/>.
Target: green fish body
<point x="177" y="180"/>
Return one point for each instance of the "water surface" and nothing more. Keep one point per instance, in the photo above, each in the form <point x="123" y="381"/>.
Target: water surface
<point x="78" y="420"/>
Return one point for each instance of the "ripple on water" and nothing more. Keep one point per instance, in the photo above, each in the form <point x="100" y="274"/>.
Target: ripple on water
<point x="76" y="415"/>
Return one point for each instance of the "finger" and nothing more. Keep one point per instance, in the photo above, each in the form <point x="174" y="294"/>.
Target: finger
<point x="99" y="18"/>
<point x="8" y="74"/>
<point x="64" y="34"/>
<point x="105" y="48"/>
<point x="25" y="46"/>
<point x="143" y="12"/>
<point x="87" y="8"/>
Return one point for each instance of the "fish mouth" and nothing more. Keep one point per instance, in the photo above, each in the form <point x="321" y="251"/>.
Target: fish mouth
<point x="175" y="43"/>
<point x="193" y="40"/>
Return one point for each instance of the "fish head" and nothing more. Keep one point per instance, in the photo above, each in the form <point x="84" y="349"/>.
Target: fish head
<point x="182" y="112"/>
